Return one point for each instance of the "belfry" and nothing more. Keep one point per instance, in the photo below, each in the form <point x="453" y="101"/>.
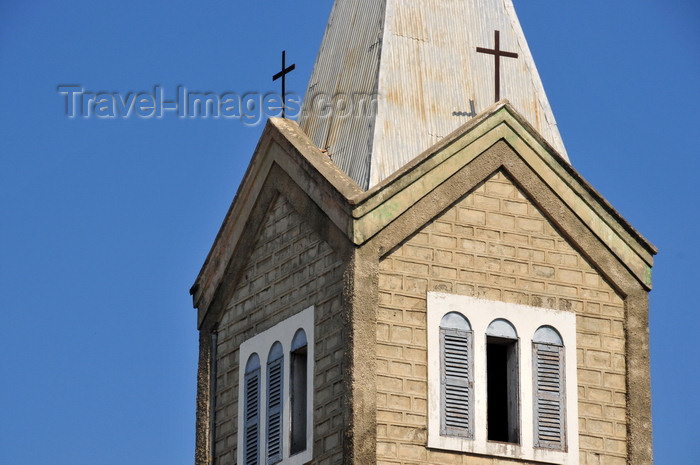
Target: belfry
<point x="413" y="274"/>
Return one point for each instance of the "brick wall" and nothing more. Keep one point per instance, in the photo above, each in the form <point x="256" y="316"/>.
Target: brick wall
<point x="290" y="269"/>
<point x="495" y="244"/>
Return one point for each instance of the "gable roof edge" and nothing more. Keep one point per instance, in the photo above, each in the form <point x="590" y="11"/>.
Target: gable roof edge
<point x="412" y="171"/>
<point x="571" y="171"/>
<point x="282" y="143"/>
<point x="383" y="204"/>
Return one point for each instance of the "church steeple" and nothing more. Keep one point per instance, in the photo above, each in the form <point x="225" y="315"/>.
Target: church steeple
<point x="418" y="60"/>
<point x="478" y="301"/>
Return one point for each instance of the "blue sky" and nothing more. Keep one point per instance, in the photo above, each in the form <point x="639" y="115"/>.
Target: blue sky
<point x="106" y="222"/>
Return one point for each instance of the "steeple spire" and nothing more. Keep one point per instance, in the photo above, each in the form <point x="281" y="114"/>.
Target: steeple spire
<point x="393" y="77"/>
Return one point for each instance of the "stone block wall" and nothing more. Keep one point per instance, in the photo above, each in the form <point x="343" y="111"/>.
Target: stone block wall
<point x="290" y="268"/>
<point x="495" y="244"/>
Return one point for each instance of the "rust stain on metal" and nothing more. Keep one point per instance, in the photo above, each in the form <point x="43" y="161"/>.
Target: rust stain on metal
<point x="419" y="60"/>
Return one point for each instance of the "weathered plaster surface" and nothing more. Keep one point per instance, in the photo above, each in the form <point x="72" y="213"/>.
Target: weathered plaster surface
<point x="496" y="244"/>
<point x="362" y="231"/>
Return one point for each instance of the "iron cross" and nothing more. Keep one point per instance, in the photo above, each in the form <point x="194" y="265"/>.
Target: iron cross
<point x="282" y="74"/>
<point x="497" y="54"/>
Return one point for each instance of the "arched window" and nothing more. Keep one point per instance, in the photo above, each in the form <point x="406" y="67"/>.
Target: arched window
<point x="548" y="380"/>
<point x="503" y="329"/>
<point x="496" y="379"/>
<point x="275" y="370"/>
<point x="548" y="335"/>
<point x="502" y="374"/>
<point x="282" y="431"/>
<point x="298" y="392"/>
<point x="457" y="378"/>
<point x="251" y="441"/>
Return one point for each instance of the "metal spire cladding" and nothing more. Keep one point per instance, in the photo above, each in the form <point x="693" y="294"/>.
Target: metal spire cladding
<point x="394" y="77"/>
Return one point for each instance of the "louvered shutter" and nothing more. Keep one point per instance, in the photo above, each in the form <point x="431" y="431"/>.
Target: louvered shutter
<point x="550" y="415"/>
<point x="274" y="411"/>
<point x="252" y="418"/>
<point x="456" y="383"/>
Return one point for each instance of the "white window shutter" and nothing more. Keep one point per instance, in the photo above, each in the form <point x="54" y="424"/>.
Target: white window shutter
<point x="251" y="439"/>
<point x="274" y="411"/>
<point x="456" y="381"/>
<point x="550" y="415"/>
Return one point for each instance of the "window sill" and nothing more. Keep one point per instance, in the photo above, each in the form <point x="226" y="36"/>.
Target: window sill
<point x="300" y="458"/>
<point x="503" y="449"/>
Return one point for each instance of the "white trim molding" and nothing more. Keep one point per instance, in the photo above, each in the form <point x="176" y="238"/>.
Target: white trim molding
<point x="526" y="320"/>
<point x="261" y="344"/>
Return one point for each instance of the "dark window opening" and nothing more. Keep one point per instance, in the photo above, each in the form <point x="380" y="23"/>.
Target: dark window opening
<point x="298" y="394"/>
<point x="502" y="390"/>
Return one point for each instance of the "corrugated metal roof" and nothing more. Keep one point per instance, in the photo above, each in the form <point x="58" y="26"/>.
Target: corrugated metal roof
<point x="418" y="60"/>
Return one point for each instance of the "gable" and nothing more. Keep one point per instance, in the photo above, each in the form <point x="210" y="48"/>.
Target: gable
<point x="288" y="264"/>
<point x="461" y="161"/>
<point x="392" y="210"/>
<point x="495" y="243"/>
<point x="283" y="163"/>
<point x="290" y="268"/>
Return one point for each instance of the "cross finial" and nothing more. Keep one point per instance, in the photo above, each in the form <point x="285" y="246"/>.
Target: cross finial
<point x="282" y="74"/>
<point x="497" y="54"/>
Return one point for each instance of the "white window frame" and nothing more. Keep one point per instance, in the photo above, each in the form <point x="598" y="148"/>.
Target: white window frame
<point x="261" y="344"/>
<point x="526" y="320"/>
